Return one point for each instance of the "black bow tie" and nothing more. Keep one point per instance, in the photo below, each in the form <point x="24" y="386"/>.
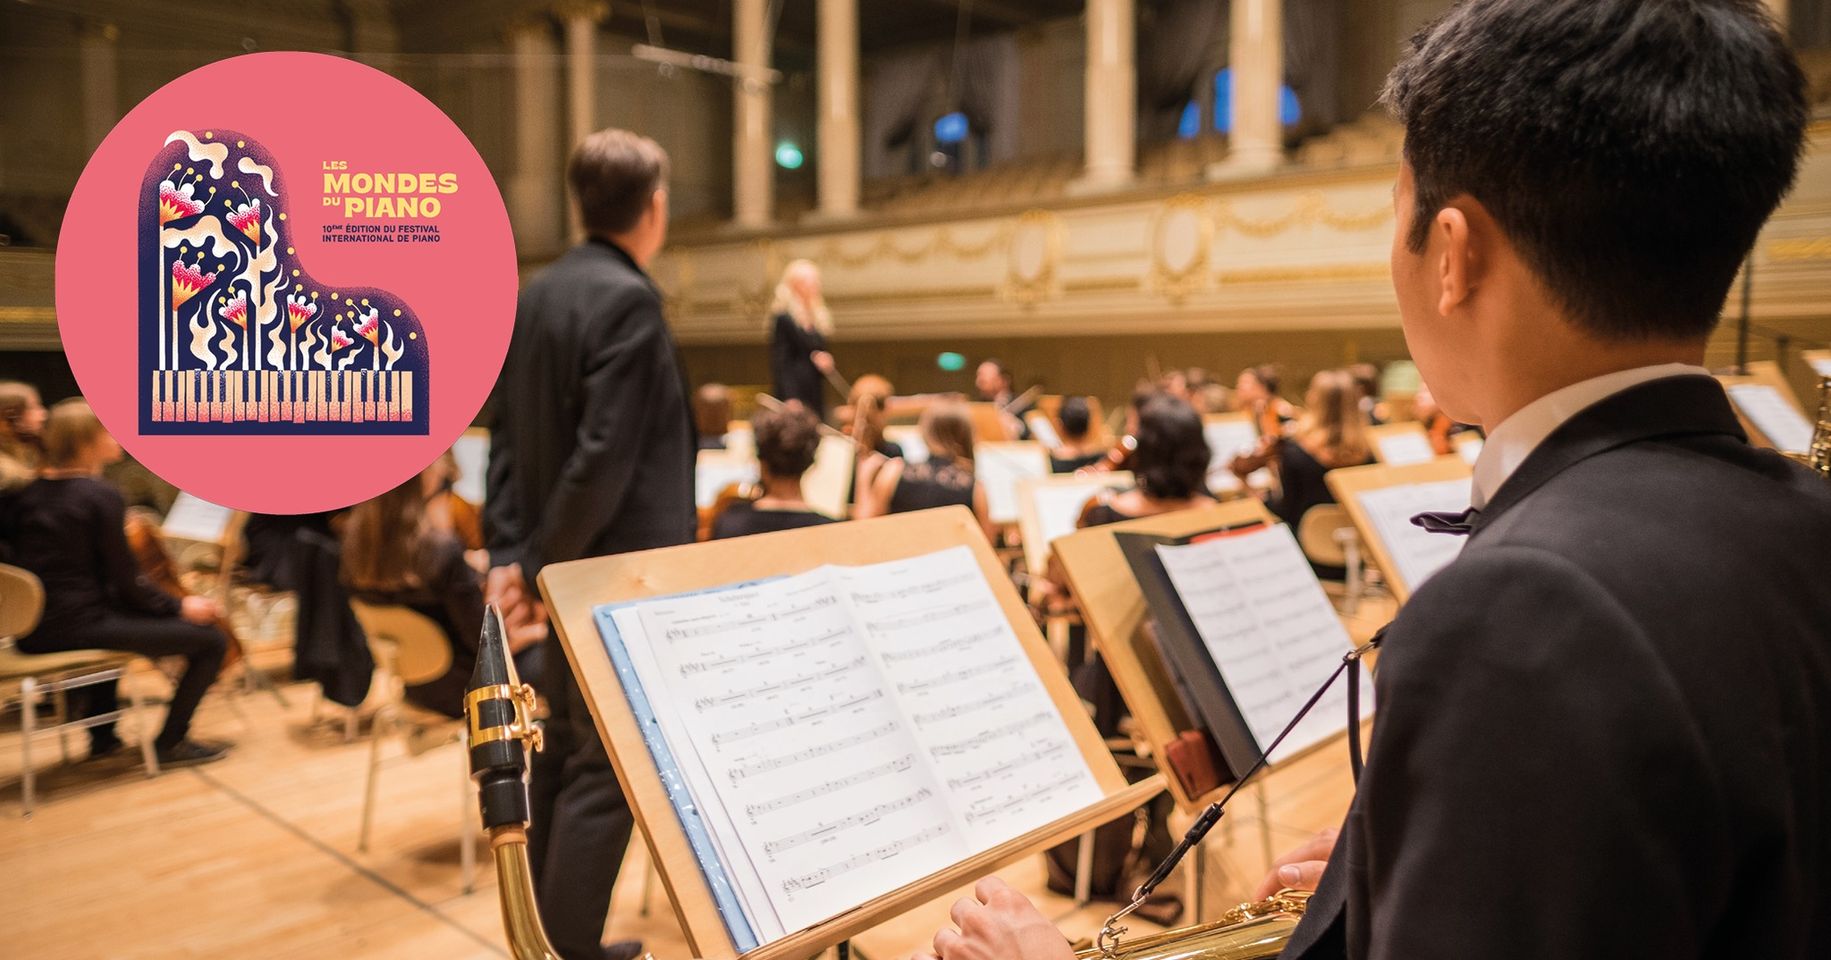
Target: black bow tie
<point x="1455" y="524"/>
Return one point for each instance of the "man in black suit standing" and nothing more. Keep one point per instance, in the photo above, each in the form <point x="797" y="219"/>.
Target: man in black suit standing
<point x="1604" y="731"/>
<point x="591" y="453"/>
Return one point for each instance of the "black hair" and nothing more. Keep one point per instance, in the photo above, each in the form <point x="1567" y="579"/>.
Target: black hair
<point x="1075" y="417"/>
<point x="1629" y="149"/>
<point x="1171" y="461"/>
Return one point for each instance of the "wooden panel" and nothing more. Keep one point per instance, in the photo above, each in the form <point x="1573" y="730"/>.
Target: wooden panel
<point x="572" y="590"/>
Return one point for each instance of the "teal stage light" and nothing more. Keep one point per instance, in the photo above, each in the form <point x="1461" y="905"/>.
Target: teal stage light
<point x="951" y="362"/>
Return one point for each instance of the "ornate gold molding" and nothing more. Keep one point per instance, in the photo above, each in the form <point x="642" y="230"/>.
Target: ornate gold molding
<point x="1311" y="209"/>
<point x="1347" y="271"/>
<point x="1174" y="282"/>
<point x="1031" y="286"/>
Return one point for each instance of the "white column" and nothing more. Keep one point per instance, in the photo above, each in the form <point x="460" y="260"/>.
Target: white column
<point x="100" y="82"/>
<point x="838" y="131"/>
<point x="580" y="21"/>
<point x="1256" y="144"/>
<point x="536" y="197"/>
<point x="1110" y="126"/>
<point x="752" y="176"/>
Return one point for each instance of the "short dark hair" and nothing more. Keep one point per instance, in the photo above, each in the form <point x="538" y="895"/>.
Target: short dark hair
<point x="1629" y="149"/>
<point x="614" y="174"/>
<point x="1075" y="416"/>
<point x="1171" y="460"/>
<point x="787" y="439"/>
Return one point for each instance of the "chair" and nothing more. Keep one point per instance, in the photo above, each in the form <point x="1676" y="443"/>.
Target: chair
<point x="26" y="677"/>
<point x="1329" y="538"/>
<point x="410" y="648"/>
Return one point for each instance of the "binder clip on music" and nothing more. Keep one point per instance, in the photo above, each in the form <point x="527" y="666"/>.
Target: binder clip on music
<point x="1249" y="931"/>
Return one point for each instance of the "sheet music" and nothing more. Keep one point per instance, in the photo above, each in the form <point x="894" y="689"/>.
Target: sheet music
<point x="827" y="485"/>
<point x="1269" y="628"/>
<point x="1228" y="439"/>
<point x="715" y="471"/>
<point x="999" y="467"/>
<point x="472" y="451"/>
<point x="847" y="731"/>
<point x="1772" y="414"/>
<point x="1042" y="429"/>
<point x="915" y="449"/>
<point x="1058" y="505"/>
<point x="1405" y="446"/>
<point x="193" y="518"/>
<point x="1416" y="552"/>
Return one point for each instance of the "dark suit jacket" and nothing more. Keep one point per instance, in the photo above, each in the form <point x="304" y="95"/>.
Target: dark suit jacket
<point x="791" y="364"/>
<point x="592" y="445"/>
<point x="1604" y="731"/>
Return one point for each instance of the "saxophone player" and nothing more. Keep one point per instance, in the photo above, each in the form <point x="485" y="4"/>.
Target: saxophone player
<point x="1605" y="730"/>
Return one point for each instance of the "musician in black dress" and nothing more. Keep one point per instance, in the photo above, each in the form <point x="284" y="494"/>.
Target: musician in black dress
<point x="787" y="440"/>
<point x="1078" y="449"/>
<point x="799" y="326"/>
<point x="944" y="479"/>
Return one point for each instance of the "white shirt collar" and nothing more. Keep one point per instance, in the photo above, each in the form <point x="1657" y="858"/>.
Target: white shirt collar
<point x="1509" y="444"/>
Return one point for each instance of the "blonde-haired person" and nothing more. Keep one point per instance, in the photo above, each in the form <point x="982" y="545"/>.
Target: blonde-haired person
<point x="22" y="416"/>
<point x="944" y="479"/>
<point x="799" y="326"/>
<point x="68" y="528"/>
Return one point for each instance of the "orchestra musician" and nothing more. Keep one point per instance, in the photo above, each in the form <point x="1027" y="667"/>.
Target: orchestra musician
<point x="787" y="440"/>
<point x="800" y="324"/>
<point x="591" y="453"/>
<point x="1602" y="731"/>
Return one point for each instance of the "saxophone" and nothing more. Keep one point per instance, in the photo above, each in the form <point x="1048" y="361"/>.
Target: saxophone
<point x="502" y="731"/>
<point x="1818" y="454"/>
<point x="1250" y="931"/>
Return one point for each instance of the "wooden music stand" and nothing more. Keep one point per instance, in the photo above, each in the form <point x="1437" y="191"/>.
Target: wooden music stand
<point x="1113" y="608"/>
<point x="573" y="590"/>
<point x="472" y="452"/>
<point x="827" y="485"/>
<point x="1398" y="444"/>
<point x="1016" y="459"/>
<point x="1349" y="483"/>
<point x="989" y="424"/>
<point x="1035" y="526"/>
<point x="909" y="437"/>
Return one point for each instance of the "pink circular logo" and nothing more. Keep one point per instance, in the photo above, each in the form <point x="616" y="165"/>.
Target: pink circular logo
<point x="286" y="282"/>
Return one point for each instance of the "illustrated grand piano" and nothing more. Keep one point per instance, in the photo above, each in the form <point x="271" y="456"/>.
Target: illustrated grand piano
<point x="235" y="336"/>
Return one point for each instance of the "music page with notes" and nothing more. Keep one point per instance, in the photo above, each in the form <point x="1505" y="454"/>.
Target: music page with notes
<point x="1269" y="628"/>
<point x="850" y="730"/>
<point x="1417" y="552"/>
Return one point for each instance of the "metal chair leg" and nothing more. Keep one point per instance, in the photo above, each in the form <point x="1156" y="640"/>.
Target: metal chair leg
<point x="61" y="698"/>
<point x="1084" y="870"/>
<point x="28" y="723"/>
<point x="149" y="757"/>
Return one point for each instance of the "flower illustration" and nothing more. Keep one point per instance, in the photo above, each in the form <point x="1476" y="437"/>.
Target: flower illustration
<point x="187" y="279"/>
<point x="339" y="339"/>
<point x="299" y="311"/>
<point x="246" y="217"/>
<point x="235" y="310"/>
<point x="176" y="202"/>
<point x="368" y="325"/>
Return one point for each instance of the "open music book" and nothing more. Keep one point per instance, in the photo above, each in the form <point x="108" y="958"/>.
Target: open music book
<point x="829" y="737"/>
<point x="1248" y="633"/>
<point x="1416" y="552"/>
<point x="1774" y="415"/>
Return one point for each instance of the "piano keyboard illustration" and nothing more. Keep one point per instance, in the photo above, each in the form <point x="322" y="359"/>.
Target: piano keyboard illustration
<point x="281" y="396"/>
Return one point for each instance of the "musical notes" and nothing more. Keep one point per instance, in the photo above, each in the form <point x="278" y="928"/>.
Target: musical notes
<point x="1269" y="628"/>
<point x="813" y="716"/>
<point x="1774" y="415"/>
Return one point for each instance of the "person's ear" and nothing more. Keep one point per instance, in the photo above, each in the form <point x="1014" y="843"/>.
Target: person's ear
<point x="658" y="205"/>
<point x="1457" y="264"/>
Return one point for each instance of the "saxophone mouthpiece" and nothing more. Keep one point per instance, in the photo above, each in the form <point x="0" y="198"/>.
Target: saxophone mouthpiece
<point x="501" y="731"/>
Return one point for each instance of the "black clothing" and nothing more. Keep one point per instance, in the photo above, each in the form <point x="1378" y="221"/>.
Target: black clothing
<point x="1301" y="486"/>
<point x="707" y="442"/>
<point x="1071" y="464"/>
<point x="742" y="519"/>
<point x="592" y="450"/>
<point x="70" y="533"/>
<point x="936" y="482"/>
<point x="449" y="595"/>
<point x="791" y="364"/>
<point x="329" y="646"/>
<point x="1604" y="731"/>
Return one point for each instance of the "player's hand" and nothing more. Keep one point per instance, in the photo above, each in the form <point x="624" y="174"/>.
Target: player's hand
<point x="202" y="611"/>
<point x="998" y="923"/>
<point x="1300" y="869"/>
<point x="823" y="361"/>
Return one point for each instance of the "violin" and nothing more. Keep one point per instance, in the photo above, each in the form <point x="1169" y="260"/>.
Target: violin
<point x="155" y="562"/>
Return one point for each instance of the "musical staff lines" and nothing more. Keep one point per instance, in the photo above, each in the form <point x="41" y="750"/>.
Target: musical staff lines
<point x="965" y="709"/>
<point x="746" y="624"/>
<point x="955" y="676"/>
<point x="777" y="686"/>
<point x="863" y="817"/>
<point x="1006" y="766"/>
<point x="956" y="643"/>
<point x="762" y="653"/>
<point x="922" y="617"/>
<point x="958" y="747"/>
<point x="915" y="590"/>
<point x="753" y="768"/>
<point x="866" y="775"/>
<point x="769" y="726"/>
<point x="817" y="877"/>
